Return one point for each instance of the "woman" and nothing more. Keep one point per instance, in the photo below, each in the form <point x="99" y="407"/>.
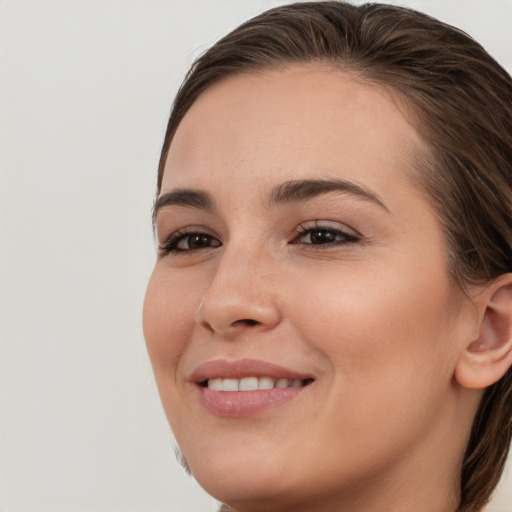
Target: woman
<point x="329" y="318"/>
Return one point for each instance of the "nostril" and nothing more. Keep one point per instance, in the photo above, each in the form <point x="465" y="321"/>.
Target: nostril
<point x="246" y="321"/>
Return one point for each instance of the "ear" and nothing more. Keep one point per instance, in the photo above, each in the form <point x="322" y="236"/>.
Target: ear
<point x="485" y="359"/>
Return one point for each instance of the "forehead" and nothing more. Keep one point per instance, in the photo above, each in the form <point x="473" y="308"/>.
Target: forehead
<point x="308" y="118"/>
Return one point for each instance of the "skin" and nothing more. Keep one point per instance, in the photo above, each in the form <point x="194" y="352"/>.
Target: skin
<point x="376" y="321"/>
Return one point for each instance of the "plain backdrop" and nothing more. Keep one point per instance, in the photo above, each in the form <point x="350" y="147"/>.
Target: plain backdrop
<point x="85" y="90"/>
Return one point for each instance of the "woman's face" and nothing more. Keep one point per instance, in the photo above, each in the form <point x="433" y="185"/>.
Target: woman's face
<point x="299" y="264"/>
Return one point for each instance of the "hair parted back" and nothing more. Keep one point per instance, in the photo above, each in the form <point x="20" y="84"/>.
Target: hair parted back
<point x="461" y="103"/>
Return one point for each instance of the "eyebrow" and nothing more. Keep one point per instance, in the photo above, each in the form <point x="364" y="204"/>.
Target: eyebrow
<point x="288" y="192"/>
<point x="302" y="190"/>
<point x="183" y="197"/>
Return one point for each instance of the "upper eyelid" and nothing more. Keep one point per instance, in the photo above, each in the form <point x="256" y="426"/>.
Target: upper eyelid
<point x="305" y="225"/>
<point x="175" y="215"/>
<point x="167" y="233"/>
<point x="329" y="224"/>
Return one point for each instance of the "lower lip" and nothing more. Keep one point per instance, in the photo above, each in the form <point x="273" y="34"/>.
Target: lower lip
<point x="238" y="404"/>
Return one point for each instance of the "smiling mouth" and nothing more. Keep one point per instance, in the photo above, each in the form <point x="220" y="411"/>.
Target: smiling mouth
<point x="246" y="387"/>
<point x="253" y="383"/>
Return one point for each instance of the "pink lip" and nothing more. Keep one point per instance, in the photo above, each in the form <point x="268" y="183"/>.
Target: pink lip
<point x="237" y="404"/>
<point x="240" y="368"/>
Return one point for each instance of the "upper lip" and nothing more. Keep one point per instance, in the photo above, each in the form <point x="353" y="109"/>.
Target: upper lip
<point x="240" y="368"/>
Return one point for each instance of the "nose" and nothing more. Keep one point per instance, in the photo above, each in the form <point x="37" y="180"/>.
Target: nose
<point x="240" y="297"/>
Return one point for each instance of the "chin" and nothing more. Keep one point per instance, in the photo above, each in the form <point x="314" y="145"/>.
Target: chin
<point x="246" y="480"/>
<point x="251" y="493"/>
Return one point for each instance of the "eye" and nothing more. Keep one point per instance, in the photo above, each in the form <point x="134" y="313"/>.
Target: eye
<point x="322" y="234"/>
<point x="183" y="241"/>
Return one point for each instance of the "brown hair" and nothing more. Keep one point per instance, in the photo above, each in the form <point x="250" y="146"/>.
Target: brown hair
<point x="462" y="106"/>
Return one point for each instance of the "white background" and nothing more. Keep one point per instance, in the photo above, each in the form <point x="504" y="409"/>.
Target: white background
<point x="85" y="90"/>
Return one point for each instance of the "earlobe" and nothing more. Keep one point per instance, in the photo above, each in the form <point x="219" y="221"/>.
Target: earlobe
<point x="484" y="360"/>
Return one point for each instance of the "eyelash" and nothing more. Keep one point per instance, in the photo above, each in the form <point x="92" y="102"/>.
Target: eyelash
<point x="319" y="227"/>
<point x="171" y="245"/>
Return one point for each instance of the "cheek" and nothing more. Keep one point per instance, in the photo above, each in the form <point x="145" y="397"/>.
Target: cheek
<point x="168" y="319"/>
<point x="373" y="326"/>
<point x="389" y="357"/>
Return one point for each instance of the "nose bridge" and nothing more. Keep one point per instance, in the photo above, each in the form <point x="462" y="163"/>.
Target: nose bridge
<point x="240" y="294"/>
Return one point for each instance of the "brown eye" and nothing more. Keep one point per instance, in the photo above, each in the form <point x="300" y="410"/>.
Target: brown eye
<point x="324" y="235"/>
<point x="186" y="242"/>
<point x="195" y="241"/>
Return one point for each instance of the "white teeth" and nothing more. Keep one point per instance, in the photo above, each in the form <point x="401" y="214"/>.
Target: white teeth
<point x="252" y="384"/>
<point x="230" y="385"/>
<point x="248" y="384"/>
<point x="215" y="384"/>
<point x="266" y="383"/>
<point x="282" y="383"/>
